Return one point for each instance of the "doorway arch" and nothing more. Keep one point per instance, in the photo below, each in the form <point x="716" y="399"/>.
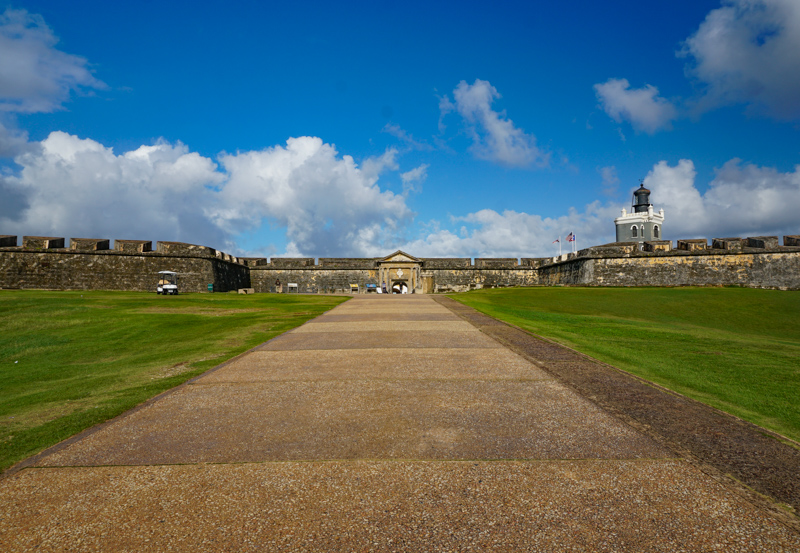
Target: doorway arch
<point x="399" y="287"/>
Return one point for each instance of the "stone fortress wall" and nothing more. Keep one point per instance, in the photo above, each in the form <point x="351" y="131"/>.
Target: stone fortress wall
<point x="756" y="262"/>
<point x="43" y="262"/>
<point x="86" y="264"/>
<point x="330" y="275"/>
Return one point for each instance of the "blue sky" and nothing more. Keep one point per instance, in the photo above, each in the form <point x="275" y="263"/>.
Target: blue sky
<point x="453" y="129"/>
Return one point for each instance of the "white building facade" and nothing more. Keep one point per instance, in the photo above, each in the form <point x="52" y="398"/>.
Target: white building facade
<point x="642" y="224"/>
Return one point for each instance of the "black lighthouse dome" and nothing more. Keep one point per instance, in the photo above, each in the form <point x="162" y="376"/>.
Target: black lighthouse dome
<point x="641" y="199"/>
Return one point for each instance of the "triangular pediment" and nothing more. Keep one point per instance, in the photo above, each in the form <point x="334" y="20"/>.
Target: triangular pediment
<point x="399" y="257"/>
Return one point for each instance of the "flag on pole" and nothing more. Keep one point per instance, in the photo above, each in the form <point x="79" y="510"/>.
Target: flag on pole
<point x="571" y="238"/>
<point x="556" y="240"/>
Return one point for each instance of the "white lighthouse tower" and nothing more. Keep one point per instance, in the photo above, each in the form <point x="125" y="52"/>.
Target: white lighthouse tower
<point x="641" y="224"/>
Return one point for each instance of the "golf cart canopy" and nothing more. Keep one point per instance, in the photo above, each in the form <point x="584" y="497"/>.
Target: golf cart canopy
<point x="167" y="282"/>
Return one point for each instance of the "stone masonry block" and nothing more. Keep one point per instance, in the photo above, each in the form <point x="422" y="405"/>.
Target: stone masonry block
<point x="41" y="242"/>
<point x="533" y="261"/>
<point x="347" y="263"/>
<point x="181" y="248"/>
<point x="762" y="242"/>
<point x="495" y="263"/>
<point x="731" y="244"/>
<point x="133" y="246"/>
<point x="88" y="244"/>
<point x="447" y="262"/>
<point x="614" y="247"/>
<point x="693" y="245"/>
<point x="253" y="261"/>
<point x="8" y="241"/>
<point x="291" y="262"/>
<point x="658" y="246"/>
<point x="793" y="240"/>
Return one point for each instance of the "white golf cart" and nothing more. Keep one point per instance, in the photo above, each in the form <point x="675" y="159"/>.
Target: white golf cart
<point x="167" y="283"/>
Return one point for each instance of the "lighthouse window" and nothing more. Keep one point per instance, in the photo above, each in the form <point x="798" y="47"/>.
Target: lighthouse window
<point x="634" y="231"/>
<point x="655" y="231"/>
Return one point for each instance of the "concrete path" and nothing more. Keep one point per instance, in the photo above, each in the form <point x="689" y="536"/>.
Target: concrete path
<point x="387" y="424"/>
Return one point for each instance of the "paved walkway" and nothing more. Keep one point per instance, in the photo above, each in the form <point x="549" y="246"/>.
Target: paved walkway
<point x="387" y="424"/>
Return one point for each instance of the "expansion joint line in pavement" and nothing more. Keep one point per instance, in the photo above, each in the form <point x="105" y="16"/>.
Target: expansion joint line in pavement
<point x="375" y="460"/>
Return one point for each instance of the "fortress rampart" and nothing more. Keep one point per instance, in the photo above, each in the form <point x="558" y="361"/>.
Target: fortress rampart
<point x="42" y="262"/>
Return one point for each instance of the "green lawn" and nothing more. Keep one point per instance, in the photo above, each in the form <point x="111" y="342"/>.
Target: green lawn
<point x="69" y="360"/>
<point x="736" y="349"/>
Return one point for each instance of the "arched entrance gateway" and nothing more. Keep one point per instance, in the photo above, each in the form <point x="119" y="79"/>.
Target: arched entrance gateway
<point x="399" y="288"/>
<point x="399" y="273"/>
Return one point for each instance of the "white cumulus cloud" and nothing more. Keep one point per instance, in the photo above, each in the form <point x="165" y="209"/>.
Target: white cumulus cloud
<point x="749" y="51"/>
<point x="494" y="136"/>
<point x="12" y="141"/>
<point x="516" y="234"/>
<point x="34" y="75"/>
<point x="328" y="204"/>
<point x="643" y="108"/>
<point x="741" y="200"/>
<point x="413" y="179"/>
<point x="76" y="187"/>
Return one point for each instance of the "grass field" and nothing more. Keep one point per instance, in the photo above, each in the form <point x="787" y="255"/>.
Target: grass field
<point x="69" y="360"/>
<point x="736" y="349"/>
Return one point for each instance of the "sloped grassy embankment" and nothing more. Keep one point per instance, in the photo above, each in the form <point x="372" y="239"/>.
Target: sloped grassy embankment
<point x="736" y="349"/>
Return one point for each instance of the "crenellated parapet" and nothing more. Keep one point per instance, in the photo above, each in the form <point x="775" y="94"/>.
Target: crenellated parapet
<point x="694" y="246"/>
